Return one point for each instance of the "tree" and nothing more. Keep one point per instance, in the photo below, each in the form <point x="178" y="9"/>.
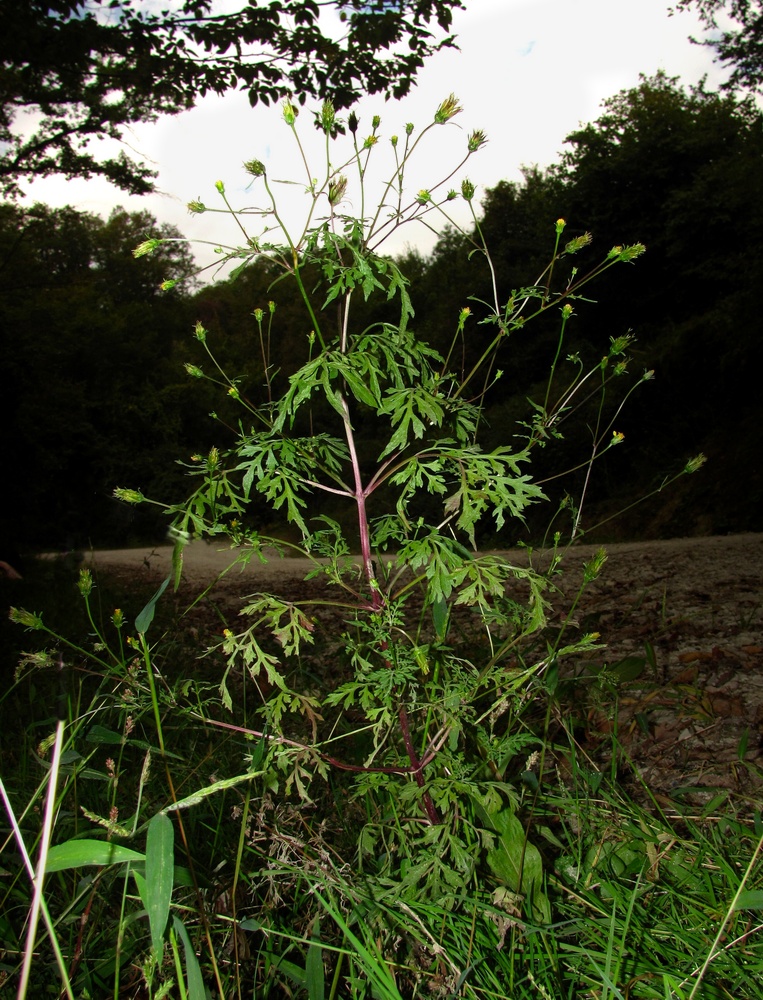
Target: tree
<point x="88" y="387"/>
<point x="88" y="69"/>
<point x="738" y="48"/>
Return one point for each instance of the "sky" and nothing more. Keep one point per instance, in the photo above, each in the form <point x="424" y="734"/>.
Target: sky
<point x="528" y="72"/>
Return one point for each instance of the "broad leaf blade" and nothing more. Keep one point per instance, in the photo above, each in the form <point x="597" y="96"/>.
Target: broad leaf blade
<point x="159" y="876"/>
<point x="80" y="853"/>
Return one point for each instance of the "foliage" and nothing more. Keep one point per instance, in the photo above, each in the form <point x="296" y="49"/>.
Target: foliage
<point x="265" y="894"/>
<point x="422" y="718"/>
<point x="88" y="69"/>
<point x="357" y="790"/>
<point x="738" y="47"/>
<point x="86" y="336"/>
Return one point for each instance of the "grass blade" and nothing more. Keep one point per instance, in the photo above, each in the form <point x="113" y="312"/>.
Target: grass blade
<point x="196" y="989"/>
<point x="314" y="972"/>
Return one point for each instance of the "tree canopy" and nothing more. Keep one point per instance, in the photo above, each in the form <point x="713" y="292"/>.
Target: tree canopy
<point x="739" y="48"/>
<point x="78" y="70"/>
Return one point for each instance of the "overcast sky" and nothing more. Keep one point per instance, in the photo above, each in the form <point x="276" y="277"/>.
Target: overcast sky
<point x="528" y="72"/>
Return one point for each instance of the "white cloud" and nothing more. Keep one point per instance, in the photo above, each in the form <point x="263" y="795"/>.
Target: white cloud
<point x="528" y="72"/>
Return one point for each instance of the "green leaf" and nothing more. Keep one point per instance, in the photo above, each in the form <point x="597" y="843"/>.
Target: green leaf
<point x="159" y="876"/>
<point x="80" y="853"/>
<point x="203" y="793"/>
<point x="440" y="618"/>
<point x="196" y="989"/>
<point x="750" y="899"/>
<point x="314" y="972"/>
<point x="144" y="619"/>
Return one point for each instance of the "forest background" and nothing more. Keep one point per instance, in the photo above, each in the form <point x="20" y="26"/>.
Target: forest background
<point x="95" y="390"/>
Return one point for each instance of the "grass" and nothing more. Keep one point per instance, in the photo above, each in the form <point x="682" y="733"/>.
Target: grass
<point x="248" y="890"/>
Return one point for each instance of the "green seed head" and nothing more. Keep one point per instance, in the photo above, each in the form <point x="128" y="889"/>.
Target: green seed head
<point x="447" y="110"/>
<point x="476" y="140"/>
<point x="255" y="167"/>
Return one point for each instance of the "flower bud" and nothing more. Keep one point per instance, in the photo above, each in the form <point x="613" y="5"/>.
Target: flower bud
<point x="200" y="332"/>
<point x="196" y="207"/>
<point x="220" y="187"/>
<point x="467" y="189"/>
<point x="289" y="113"/>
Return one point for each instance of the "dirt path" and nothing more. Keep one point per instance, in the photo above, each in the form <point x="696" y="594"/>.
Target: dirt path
<point x="685" y="615"/>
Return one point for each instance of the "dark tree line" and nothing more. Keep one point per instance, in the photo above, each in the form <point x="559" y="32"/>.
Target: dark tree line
<point x="94" y="390"/>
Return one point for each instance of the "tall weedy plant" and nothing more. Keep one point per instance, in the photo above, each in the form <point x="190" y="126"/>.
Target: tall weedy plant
<point x="436" y="646"/>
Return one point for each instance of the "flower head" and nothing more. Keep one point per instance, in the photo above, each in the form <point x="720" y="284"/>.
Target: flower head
<point x="255" y="167"/>
<point x="337" y="188"/>
<point x="476" y="140"/>
<point x="447" y="110"/>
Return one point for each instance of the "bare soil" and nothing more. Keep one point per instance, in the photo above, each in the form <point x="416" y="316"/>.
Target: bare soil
<point x="683" y="624"/>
